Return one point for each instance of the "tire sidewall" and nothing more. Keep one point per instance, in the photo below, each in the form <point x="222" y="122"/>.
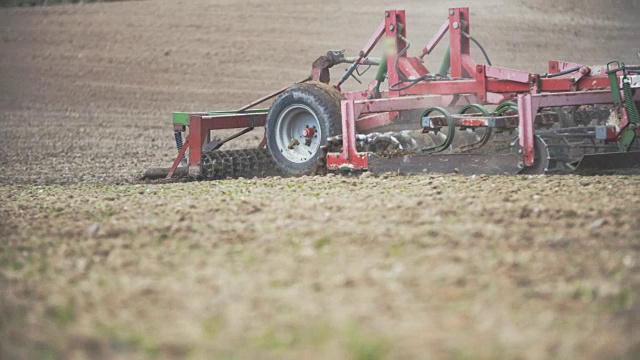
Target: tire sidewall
<point x="326" y="108"/>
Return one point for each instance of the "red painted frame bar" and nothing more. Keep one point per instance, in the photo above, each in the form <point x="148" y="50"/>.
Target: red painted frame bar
<point x="503" y="84"/>
<point x="233" y="121"/>
<point x="201" y="125"/>
<point x="436" y="39"/>
<point x="502" y="73"/>
<point x="556" y="66"/>
<point x="349" y="158"/>
<point x="373" y="40"/>
<point x="458" y="43"/>
<point x="373" y="121"/>
<point x="403" y="103"/>
<point x="392" y="19"/>
<point x="471" y="86"/>
<point x="178" y="158"/>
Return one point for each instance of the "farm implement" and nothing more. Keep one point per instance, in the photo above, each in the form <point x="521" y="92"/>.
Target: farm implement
<point x="465" y="117"/>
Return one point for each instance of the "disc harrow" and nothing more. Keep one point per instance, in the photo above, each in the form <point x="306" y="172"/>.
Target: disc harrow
<point x="465" y="117"/>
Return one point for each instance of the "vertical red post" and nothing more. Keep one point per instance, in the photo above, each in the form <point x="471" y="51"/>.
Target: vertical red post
<point x="197" y="137"/>
<point x="394" y="19"/>
<point x="348" y="130"/>
<point x="458" y="21"/>
<point x="349" y="158"/>
<point x="481" y="81"/>
<point x="178" y="159"/>
<point x="526" y="113"/>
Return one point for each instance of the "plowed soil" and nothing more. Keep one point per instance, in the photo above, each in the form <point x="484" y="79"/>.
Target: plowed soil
<point x="95" y="264"/>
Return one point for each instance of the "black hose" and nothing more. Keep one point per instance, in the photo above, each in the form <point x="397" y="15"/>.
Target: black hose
<point x="486" y="56"/>
<point x="564" y="72"/>
<point x="396" y="67"/>
<point x="426" y="77"/>
<point x="403" y="78"/>
<point x="400" y="54"/>
<point x="411" y="83"/>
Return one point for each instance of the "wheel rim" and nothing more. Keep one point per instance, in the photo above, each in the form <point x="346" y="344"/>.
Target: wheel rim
<point x="298" y="133"/>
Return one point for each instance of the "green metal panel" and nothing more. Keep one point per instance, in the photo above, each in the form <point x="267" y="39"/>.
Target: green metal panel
<point x="613" y="79"/>
<point x="627" y="136"/>
<point x="181" y="118"/>
<point x="445" y="64"/>
<point x="615" y="89"/>
<point x="382" y="70"/>
<point x="629" y="104"/>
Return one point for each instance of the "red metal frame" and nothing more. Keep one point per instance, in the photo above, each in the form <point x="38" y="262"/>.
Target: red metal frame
<point x="483" y="84"/>
<point x="469" y="82"/>
<point x="200" y="127"/>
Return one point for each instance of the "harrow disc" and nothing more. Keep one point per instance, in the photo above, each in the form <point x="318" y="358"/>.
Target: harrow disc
<point x="540" y="156"/>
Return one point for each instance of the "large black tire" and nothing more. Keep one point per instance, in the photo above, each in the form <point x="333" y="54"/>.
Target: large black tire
<point x="311" y="104"/>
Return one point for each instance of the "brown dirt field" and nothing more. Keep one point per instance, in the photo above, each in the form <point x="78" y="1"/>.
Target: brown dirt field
<point x="96" y="265"/>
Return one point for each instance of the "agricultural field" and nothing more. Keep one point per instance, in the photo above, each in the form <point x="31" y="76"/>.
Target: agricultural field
<point x="95" y="263"/>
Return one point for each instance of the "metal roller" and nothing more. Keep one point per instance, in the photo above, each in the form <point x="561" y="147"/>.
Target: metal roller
<point x="244" y="163"/>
